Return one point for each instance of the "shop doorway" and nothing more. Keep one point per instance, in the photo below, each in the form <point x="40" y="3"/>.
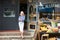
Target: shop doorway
<point x="23" y="7"/>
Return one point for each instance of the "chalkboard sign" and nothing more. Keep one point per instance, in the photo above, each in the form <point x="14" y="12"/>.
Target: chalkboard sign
<point x="32" y="26"/>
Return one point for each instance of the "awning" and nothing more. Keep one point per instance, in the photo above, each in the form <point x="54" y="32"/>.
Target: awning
<point x="46" y="10"/>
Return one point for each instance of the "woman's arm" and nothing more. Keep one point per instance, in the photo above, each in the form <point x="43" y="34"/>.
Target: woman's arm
<point x="19" y="19"/>
<point x="23" y="18"/>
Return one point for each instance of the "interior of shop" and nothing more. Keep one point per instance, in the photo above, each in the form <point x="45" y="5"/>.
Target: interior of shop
<point x="23" y="7"/>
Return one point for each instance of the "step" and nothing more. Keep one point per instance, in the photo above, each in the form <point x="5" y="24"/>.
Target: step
<point x="16" y="36"/>
<point x="15" y="33"/>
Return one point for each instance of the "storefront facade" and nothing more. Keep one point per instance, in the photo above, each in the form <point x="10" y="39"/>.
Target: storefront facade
<point x="9" y="21"/>
<point x="33" y="14"/>
<point x="10" y="12"/>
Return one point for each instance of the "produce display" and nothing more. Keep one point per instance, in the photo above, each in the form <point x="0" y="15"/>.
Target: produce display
<point x="49" y="31"/>
<point x="43" y="27"/>
<point x="55" y="29"/>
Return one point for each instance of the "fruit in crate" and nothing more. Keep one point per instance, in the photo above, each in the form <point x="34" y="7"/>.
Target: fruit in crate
<point x="43" y="27"/>
<point x="49" y="31"/>
<point x="55" y="29"/>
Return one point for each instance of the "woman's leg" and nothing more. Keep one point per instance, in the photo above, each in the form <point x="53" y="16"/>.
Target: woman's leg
<point x="22" y="34"/>
<point x="21" y="29"/>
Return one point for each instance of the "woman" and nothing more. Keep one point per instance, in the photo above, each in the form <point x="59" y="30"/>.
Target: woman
<point x="21" y="22"/>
